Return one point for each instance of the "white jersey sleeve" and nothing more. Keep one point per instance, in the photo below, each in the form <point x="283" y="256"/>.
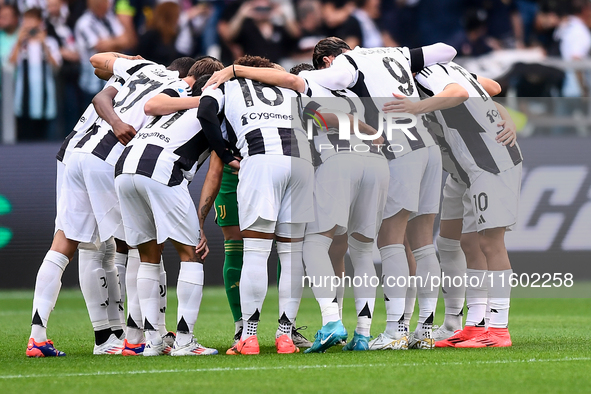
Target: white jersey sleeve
<point x="340" y="75"/>
<point x="434" y="78"/>
<point x="125" y="68"/>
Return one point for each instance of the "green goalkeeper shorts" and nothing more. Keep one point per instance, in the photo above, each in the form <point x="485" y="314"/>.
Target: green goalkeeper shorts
<point x="226" y="203"/>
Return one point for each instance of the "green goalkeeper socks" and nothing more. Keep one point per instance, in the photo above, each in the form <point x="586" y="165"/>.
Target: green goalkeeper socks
<point x="232" y="269"/>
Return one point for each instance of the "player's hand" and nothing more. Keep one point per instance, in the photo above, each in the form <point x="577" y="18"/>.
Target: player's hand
<point x="378" y="141"/>
<point x="202" y="250"/>
<point x="124" y="132"/>
<point x="508" y="136"/>
<point x="401" y="104"/>
<point x="136" y="57"/>
<point x="219" y="77"/>
<point x="235" y="164"/>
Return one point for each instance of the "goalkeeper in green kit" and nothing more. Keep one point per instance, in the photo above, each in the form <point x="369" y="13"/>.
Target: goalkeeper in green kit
<point x="226" y="209"/>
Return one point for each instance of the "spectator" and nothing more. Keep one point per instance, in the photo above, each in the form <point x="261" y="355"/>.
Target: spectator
<point x="132" y="21"/>
<point x="312" y="29"/>
<point x="67" y="89"/>
<point x="8" y="31"/>
<point x="528" y="10"/>
<point x="193" y="23"/>
<point x="441" y="21"/>
<point x="361" y="28"/>
<point x="547" y="20"/>
<point x="158" y="42"/>
<point x="34" y="55"/>
<point x="97" y="30"/>
<point x="477" y="42"/>
<point x="504" y="22"/>
<point x="400" y="18"/>
<point x="335" y="13"/>
<point x="256" y="30"/>
<point x="575" y="43"/>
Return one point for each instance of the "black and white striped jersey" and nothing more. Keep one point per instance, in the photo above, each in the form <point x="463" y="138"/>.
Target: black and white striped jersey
<point x="89" y="30"/>
<point x="145" y="80"/>
<point x="449" y="162"/>
<point x="326" y="141"/>
<point x="86" y="121"/>
<point x="261" y="117"/>
<point x="470" y="128"/>
<point x="378" y="73"/>
<point x="168" y="149"/>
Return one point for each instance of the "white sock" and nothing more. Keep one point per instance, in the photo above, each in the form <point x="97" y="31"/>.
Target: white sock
<point x="112" y="285"/>
<point x="453" y="265"/>
<point x="487" y="313"/>
<point x="135" y="323"/>
<point x="148" y="291"/>
<point x="121" y="265"/>
<point x="341" y="299"/>
<point x="427" y="268"/>
<point x="409" y="302"/>
<point x="318" y="267"/>
<point x="365" y="295"/>
<point x="163" y="299"/>
<point x="254" y="281"/>
<point x="94" y="284"/>
<point x="476" y="296"/>
<point x="189" y="291"/>
<point x="290" y="282"/>
<point x="47" y="288"/>
<point x="238" y="326"/>
<point x="499" y="298"/>
<point x="394" y="266"/>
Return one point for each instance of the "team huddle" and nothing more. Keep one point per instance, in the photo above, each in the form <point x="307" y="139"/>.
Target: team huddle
<point x="284" y="170"/>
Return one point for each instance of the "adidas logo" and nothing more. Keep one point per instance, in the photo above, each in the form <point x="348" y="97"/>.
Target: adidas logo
<point x="481" y="220"/>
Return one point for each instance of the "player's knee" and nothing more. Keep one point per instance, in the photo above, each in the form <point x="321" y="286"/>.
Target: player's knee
<point x="491" y="244"/>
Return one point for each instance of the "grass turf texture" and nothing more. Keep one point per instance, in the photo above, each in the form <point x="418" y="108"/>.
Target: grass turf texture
<point x="551" y="354"/>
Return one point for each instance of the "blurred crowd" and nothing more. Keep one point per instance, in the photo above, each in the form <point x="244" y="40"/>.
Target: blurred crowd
<point x="47" y="43"/>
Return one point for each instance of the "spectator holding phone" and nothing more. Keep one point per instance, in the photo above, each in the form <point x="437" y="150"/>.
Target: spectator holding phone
<point x="35" y="55"/>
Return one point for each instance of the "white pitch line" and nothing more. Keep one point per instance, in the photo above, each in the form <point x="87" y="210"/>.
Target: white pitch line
<point x="288" y="367"/>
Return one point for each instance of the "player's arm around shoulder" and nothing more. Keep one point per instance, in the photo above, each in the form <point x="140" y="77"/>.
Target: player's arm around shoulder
<point x="491" y="86"/>
<point x="104" y="60"/>
<point x="270" y="76"/>
<point x="165" y="104"/>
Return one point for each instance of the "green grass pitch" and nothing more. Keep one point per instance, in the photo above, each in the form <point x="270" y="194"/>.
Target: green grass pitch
<point x="551" y="354"/>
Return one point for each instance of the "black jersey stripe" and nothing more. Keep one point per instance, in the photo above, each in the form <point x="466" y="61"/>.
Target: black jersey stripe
<point x="121" y="161"/>
<point x="289" y="143"/>
<point x="92" y="131"/>
<point x="514" y="154"/>
<point x="62" y="152"/>
<point x="461" y="173"/>
<point x="105" y="146"/>
<point x="414" y="144"/>
<point x="350" y="59"/>
<point x="255" y="142"/>
<point x="137" y="67"/>
<point x="339" y="144"/>
<point x="177" y="176"/>
<point x="232" y="138"/>
<point x="469" y="129"/>
<point x="148" y="159"/>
